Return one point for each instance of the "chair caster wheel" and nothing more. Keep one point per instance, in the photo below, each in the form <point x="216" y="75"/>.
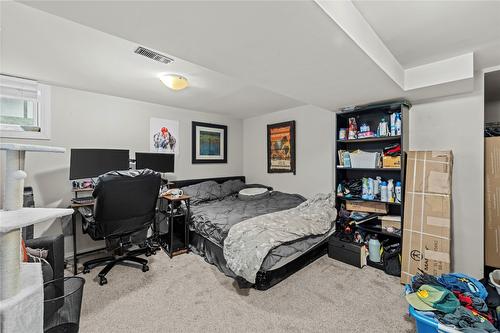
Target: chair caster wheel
<point x="86" y="270"/>
<point x="102" y="280"/>
<point x="145" y="268"/>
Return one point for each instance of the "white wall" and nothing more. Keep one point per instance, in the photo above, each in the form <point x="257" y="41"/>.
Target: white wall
<point x="83" y="119"/>
<point x="88" y="120"/>
<point x="314" y="146"/>
<point x="456" y="124"/>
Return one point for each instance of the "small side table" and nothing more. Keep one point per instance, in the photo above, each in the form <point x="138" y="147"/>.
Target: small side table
<point x="177" y="240"/>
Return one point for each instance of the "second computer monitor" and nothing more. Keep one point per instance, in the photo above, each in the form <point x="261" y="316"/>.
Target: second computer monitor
<point x="155" y="161"/>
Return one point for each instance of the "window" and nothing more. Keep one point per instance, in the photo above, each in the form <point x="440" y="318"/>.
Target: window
<point x="24" y="109"/>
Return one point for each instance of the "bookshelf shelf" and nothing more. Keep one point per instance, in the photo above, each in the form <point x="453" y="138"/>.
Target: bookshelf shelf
<point x="375" y="139"/>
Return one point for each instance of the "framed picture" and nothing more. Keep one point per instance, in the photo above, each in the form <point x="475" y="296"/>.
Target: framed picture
<point x="209" y="143"/>
<point x="163" y="136"/>
<point x="281" y="147"/>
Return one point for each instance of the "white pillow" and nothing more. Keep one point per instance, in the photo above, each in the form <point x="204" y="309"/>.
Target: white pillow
<point x="253" y="193"/>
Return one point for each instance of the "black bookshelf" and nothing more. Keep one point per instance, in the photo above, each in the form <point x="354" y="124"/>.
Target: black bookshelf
<point x="372" y="114"/>
<point x="378" y="139"/>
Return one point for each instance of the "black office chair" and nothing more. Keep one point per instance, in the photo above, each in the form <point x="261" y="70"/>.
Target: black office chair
<point x="124" y="209"/>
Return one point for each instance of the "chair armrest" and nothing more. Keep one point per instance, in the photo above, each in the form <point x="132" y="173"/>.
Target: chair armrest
<point x="88" y="220"/>
<point x="87" y="213"/>
<point x="55" y="246"/>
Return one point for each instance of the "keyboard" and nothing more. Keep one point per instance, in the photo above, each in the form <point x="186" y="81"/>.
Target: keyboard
<point x="83" y="200"/>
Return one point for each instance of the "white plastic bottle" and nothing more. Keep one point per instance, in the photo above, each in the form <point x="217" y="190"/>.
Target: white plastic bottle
<point x="398" y="123"/>
<point x="383" y="191"/>
<point x="390" y="191"/>
<point x="364" y="188"/>
<point x="347" y="159"/>
<point x="383" y="128"/>
<point x="376" y="186"/>
<point x="393" y="124"/>
<point x="398" y="192"/>
<point x="374" y="249"/>
<point x="371" y="196"/>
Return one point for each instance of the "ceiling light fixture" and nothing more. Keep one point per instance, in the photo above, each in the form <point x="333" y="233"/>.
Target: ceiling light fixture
<point x="174" y="81"/>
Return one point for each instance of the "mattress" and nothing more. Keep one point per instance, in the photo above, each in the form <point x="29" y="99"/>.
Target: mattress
<point x="212" y="220"/>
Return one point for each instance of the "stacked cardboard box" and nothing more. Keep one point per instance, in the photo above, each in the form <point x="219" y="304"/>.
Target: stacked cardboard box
<point x="427" y="214"/>
<point x="368" y="207"/>
<point x="492" y="202"/>
<point x="393" y="221"/>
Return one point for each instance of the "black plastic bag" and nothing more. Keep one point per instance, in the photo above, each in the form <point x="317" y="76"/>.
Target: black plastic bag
<point x="392" y="259"/>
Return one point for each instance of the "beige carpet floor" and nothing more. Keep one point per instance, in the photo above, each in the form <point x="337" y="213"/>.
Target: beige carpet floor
<point x="185" y="294"/>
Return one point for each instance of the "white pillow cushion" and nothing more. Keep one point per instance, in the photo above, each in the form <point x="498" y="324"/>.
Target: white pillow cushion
<point x="253" y="193"/>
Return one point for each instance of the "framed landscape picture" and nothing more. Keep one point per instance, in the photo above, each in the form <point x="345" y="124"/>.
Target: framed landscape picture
<point x="281" y="147"/>
<point x="209" y="143"/>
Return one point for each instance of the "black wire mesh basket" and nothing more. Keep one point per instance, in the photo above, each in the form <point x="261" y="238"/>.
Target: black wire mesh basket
<point x="62" y="305"/>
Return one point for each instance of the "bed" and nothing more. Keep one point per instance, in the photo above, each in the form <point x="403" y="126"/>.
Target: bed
<point x="213" y="216"/>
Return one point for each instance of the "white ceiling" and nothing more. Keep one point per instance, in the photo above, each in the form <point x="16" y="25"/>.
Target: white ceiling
<point x="420" y="32"/>
<point x="291" y="48"/>
<point x="61" y="52"/>
<point x="242" y="58"/>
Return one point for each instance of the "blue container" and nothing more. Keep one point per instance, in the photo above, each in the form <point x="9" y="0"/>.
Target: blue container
<point x="426" y="322"/>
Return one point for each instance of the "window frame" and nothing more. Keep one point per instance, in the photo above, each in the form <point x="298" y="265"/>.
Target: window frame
<point x="43" y="114"/>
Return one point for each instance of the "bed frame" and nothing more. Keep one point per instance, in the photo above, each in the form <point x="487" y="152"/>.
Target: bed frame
<point x="220" y="180"/>
<point x="215" y="256"/>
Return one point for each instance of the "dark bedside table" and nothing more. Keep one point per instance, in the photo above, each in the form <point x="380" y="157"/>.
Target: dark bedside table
<point x="177" y="240"/>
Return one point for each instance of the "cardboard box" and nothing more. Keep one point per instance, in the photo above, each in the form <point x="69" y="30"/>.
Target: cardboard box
<point x="492" y="202"/>
<point x="391" y="162"/>
<point x="390" y="221"/>
<point x="427" y="214"/>
<point x="367" y="206"/>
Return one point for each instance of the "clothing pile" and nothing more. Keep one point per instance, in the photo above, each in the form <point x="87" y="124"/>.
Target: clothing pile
<point x="457" y="300"/>
<point x="350" y="188"/>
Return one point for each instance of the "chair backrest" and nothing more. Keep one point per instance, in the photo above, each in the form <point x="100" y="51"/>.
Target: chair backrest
<point x="125" y="201"/>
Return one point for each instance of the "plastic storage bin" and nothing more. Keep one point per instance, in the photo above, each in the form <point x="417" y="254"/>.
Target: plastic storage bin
<point x="364" y="159"/>
<point x="429" y="324"/>
<point x="426" y="322"/>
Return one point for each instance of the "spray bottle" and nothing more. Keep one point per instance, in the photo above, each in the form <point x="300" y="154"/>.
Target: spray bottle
<point x="383" y="191"/>
<point x="398" y="192"/>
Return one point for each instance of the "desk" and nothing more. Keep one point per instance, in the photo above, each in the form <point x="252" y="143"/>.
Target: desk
<point x="75" y="207"/>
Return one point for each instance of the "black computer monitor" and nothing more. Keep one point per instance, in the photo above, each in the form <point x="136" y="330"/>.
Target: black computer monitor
<point x="89" y="163"/>
<point x="155" y="161"/>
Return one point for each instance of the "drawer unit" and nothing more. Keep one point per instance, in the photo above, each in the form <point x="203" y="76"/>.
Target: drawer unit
<point x="349" y="253"/>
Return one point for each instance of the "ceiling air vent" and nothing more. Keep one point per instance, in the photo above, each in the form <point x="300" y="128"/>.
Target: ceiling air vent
<point x="153" y="55"/>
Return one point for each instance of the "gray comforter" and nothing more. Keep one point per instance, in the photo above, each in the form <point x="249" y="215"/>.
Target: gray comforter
<point x="213" y="219"/>
<point x="249" y="242"/>
<point x="216" y="209"/>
